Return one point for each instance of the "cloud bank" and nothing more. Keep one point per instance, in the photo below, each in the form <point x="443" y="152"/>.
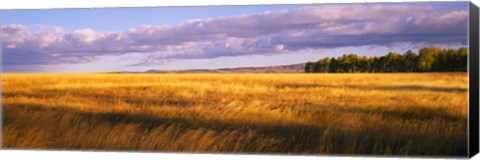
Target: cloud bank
<point x="313" y="27"/>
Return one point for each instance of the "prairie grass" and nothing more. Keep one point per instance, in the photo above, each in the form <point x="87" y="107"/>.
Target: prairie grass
<point x="390" y="114"/>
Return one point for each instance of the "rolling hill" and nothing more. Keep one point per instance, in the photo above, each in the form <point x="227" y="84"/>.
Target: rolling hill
<point x="293" y="68"/>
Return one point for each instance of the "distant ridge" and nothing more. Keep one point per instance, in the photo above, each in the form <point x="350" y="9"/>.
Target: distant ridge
<point x="293" y="68"/>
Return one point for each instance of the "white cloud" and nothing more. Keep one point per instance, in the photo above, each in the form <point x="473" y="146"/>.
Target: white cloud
<point x="314" y="27"/>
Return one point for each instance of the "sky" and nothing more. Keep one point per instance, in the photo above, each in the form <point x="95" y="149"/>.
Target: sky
<point x="175" y="38"/>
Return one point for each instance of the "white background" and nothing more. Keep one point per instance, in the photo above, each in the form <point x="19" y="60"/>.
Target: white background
<point x="74" y="155"/>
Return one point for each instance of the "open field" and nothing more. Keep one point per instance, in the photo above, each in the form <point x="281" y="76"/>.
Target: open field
<point x="404" y="113"/>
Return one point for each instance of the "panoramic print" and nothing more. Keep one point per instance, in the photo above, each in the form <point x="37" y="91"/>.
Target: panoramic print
<point x="315" y="79"/>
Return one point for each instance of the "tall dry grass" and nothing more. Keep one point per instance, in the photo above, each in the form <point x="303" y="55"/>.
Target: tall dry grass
<point x="401" y="114"/>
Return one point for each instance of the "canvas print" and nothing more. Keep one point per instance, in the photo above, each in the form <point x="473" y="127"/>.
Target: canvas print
<point x="315" y="79"/>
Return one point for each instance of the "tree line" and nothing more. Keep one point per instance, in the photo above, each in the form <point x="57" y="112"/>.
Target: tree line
<point x="430" y="59"/>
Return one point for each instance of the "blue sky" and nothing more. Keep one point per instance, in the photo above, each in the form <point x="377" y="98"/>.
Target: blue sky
<point x="118" y="19"/>
<point x="139" y="39"/>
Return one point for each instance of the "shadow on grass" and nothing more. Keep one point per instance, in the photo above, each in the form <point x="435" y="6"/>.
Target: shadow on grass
<point x="296" y="138"/>
<point x="409" y="113"/>
<point x="111" y="98"/>
<point x="377" y="87"/>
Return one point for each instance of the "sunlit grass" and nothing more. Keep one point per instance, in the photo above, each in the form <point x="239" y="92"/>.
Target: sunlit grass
<point x="406" y="114"/>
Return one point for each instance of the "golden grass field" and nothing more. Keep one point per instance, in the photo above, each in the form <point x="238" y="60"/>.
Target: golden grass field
<point x="391" y="113"/>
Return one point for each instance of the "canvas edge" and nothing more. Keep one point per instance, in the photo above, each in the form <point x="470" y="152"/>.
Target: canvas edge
<point x="473" y="71"/>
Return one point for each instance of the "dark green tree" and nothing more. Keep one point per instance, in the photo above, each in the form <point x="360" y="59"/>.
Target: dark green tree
<point x="429" y="59"/>
<point x="411" y="60"/>
<point x="426" y="58"/>
<point x="309" y="67"/>
<point x="364" y="64"/>
<point x="334" y="65"/>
